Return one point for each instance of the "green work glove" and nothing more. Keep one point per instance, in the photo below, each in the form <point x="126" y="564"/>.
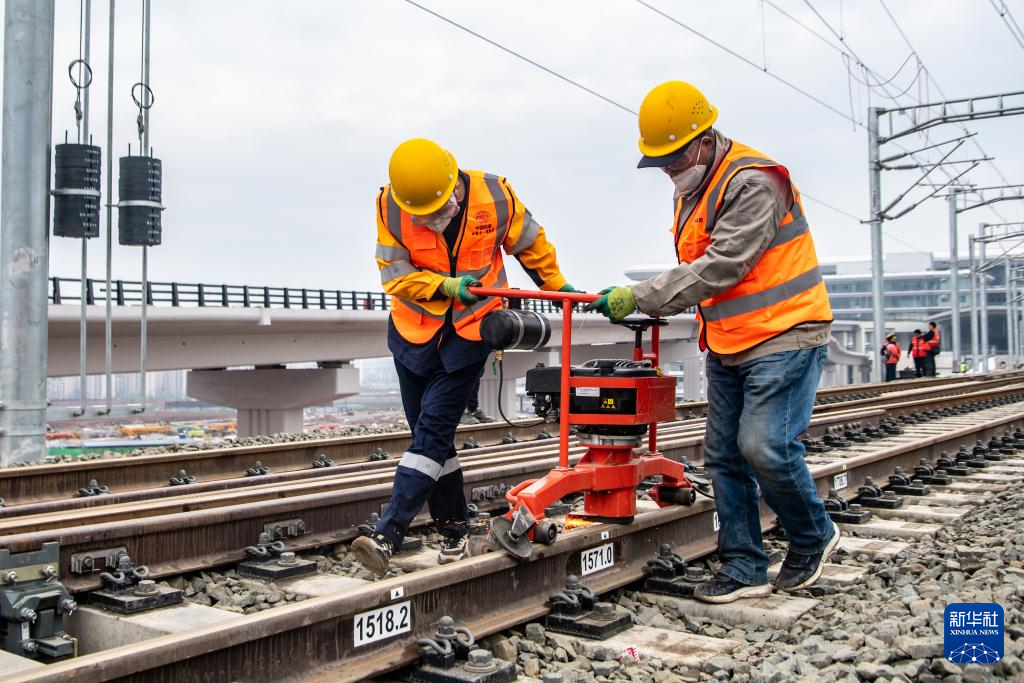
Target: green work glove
<point x="615" y="303"/>
<point x="458" y="287"/>
<point x="566" y="288"/>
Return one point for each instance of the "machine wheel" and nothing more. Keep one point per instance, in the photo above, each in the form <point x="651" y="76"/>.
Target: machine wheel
<point x="545" y="532"/>
<point x="682" y="495"/>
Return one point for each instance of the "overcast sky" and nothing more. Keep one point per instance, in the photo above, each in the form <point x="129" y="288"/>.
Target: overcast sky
<point x="275" y="121"/>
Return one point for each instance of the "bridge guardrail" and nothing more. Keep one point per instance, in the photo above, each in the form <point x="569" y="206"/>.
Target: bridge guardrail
<point x="64" y="290"/>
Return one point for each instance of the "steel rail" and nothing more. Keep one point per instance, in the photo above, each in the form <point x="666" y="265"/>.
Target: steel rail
<point x="185" y="497"/>
<point x="61" y="481"/>
<point x="39" y="517"/>
<point x="264" y="646"/>
<point x="44" y="482"/>
<point x="468" y="457"/>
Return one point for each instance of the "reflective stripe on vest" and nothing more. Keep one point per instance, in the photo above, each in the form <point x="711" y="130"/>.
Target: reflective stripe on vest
<point x="767" y="297"/>
<point x="784" y="288"/>
<point x="485" y="225"/>
<point x="392" y="253"/>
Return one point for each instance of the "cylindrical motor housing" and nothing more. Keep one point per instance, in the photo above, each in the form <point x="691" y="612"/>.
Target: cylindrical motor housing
<point x="76" y="194"/>
<point x="139" y="195"/>
<point x="504" y="329"/>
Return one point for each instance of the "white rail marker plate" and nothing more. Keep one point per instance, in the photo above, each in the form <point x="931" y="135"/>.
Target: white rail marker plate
<point x="596" y="559"/>
<point x="841" y="481"/>
<point x="382" y="623"/>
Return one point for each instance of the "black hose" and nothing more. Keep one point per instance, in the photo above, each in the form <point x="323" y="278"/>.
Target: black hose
<point x="501" y="382"/>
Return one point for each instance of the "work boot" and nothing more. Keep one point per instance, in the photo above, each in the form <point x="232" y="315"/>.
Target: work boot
<point x="454" y="549"/>
<point x="722" y="588"/>
<point x="481" y="416"/>
<point x="800" y="571"/>
<point x="373" y="552"/>
<point x="468" y="419"/>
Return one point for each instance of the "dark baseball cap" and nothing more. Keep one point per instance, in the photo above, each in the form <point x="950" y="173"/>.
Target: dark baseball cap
<point x="662" y="161"/>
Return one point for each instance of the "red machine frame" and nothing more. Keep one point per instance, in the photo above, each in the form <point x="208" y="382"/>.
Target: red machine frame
<point x="607" y="474"/>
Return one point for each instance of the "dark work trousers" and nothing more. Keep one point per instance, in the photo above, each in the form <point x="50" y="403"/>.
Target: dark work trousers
<point x="890" y="372"/>
<point x="929" y="364"/>
<point x="920" y="364"/>
<point x="429" y="470"/>
<point x="474" y="394"/>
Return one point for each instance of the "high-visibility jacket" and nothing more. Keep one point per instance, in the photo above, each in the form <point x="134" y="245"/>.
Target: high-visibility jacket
<point x="781" y="291"/>
<point x="892" y="353"/>
<point x="934" y="344"/>
<point x="918" y="347"/>
<point x="414" y="261"/>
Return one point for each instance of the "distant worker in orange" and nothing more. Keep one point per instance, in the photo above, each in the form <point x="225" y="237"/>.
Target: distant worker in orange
<point x="919" y="353"/>
<point x="440" y="231"/>
<point x="933" y="342"/>
<point x="891" y="353"/>
<point x="748" y="262"/>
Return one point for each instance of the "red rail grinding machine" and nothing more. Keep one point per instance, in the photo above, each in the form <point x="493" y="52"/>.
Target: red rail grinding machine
<point x="614" y="403"/>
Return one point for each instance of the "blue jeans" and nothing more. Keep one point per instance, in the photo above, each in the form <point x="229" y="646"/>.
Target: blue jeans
<point x="756" y="411"/>
<point x="429" y="470"/>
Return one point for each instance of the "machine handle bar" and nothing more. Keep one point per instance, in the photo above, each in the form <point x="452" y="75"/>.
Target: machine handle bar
<point x="578" y="297"/>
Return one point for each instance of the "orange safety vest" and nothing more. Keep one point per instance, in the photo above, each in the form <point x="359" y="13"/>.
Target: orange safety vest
<point x="933" y="343"/>
<point x="485" y="225"/>
<point x="781" y="291"/>
<point x="918" y="347"/>
<point x="892" y="349"/>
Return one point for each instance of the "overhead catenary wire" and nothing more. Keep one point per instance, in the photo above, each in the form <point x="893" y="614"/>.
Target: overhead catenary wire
<point x="881" y="88"/>
<point x="746" y="60"/>
<point x="1004" y="13"/>
<point x="929" y="76"/>
<point x="523" y="57"/>
<point x="611" y="101"/>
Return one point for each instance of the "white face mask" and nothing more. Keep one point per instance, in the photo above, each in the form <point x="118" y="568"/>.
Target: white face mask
<point x="440" y="219"/>
<point x="689" y="180"/>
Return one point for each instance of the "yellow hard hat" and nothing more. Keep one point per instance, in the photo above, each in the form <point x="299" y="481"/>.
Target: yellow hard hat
<point x="423" y="175"/>
<point x="671" y="115"/>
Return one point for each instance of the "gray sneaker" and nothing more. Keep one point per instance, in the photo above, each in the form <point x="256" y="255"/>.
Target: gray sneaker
<point x="800" y="571"/>
<point x="454" y="550"/>
<point x="373" y="552"/>
<point x="722" y="588"/>
<point x="481" y="416"/>
<point x="468" y="419"/>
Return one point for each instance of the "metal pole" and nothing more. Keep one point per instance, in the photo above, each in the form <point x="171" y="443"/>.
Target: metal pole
<point x="145" y="250"/>
<point x="983" y="293"/>
<point x="1011" y="342"/>
<point x="877" y="275"/>
<point x="108" y="324"/>
<point x="83" y="333"/>
<point x="975" y="353"/>
<point x="24" y="227"/>
<point x="954" y="282"/>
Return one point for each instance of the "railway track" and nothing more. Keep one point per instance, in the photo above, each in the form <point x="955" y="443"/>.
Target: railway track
<point x="141" y="477"/>
<point x="202" y="529"/>
<point x="186" y="530"/>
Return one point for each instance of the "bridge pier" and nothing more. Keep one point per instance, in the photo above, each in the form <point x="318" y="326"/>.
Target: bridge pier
<point x="271" y="400"/>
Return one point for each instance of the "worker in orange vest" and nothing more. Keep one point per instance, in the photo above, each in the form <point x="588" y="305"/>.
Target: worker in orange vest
<point x="747" y="261"/>
<point x="440" y="231"/>
<point x="891" y="353"/>
<point x="933" y="342"/>
<point x="919" y="353"/>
